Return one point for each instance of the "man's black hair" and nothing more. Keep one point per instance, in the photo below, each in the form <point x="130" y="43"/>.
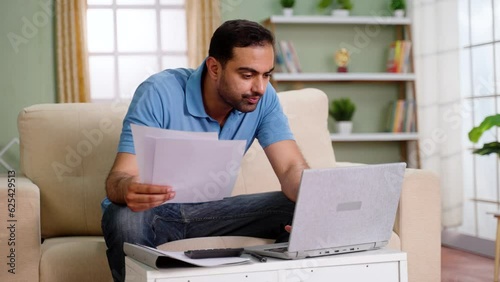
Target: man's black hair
<point x="237" y="33"/>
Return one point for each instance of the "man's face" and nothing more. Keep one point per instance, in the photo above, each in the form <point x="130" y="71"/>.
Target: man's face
<point x="244" y="78"/>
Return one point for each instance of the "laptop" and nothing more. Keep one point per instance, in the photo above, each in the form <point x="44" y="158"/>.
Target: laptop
<point x="341" y="210"/>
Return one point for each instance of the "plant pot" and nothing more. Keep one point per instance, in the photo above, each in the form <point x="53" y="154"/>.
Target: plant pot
<point x="343" y="127"/>
<point x="287" y="12"/>
<point x="399" y="13"/>
<point x="340" y="13"/>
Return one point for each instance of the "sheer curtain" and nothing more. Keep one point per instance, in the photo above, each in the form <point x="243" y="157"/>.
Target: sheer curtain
<point x="203" y="18"/>
<point x="72" y="60"/>
<point x="440" y="115"/>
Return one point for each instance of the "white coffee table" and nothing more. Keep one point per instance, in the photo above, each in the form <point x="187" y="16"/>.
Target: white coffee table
<point x="378" y="265"/>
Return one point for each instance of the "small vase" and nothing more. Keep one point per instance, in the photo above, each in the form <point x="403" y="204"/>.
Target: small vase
<point x="344" y="127"/>
<point x="287" y="12"/>
<point x="399" y="13"/>
<point x="340" y="13"/>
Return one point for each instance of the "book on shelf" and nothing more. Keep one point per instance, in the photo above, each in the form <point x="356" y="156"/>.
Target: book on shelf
<point x="295" y="57"/>
<point x="401" y="116"/>
<point x="398" y="59"/>
<point x="279" y="63"/>
<point x="287" y="60"/>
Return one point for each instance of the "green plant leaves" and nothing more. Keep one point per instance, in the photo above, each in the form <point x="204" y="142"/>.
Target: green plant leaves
<point x="342" y="4"/>
<point x="323" y="4"/>
<point x="345" y="4"/>
<point x="398" y="4"/>
<point x="488" y="148"/>
<point x="287" y="3"/>
<point x="487" y="123"/>
<point x="477" y="132"/>
<point x="342" y="109"/>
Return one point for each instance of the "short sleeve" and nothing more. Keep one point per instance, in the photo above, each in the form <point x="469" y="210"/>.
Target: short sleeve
<point x="145" y="109"/>
<point x="274" y="125"/>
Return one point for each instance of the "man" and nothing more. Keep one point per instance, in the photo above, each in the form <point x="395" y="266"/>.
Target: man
<point x="230" y="94"/>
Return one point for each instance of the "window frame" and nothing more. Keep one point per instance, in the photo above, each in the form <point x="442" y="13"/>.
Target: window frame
<point x="472" y="99"/>
<point x="158" y="7"/>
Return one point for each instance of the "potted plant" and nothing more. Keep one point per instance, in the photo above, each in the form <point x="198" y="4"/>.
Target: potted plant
<point x="342" y="111"/>
<point x="341" y="7"/>
<point x="323" y="5"/>
<point x="287" y="6"/>
<point x="477" y="132"/>
<point x="398" y="7"/>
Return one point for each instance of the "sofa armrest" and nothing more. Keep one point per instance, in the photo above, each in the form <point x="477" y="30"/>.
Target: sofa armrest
<point x="20" y="250"/>
<point x="418" y="224"/>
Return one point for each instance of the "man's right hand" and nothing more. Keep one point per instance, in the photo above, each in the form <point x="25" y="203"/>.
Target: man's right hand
<point x="140" y="197"/>
<point x="122" y="186"/>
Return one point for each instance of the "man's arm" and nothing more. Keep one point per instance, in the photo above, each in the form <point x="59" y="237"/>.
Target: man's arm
<point x="288" y="164"/>
<point x="122" y="186"/>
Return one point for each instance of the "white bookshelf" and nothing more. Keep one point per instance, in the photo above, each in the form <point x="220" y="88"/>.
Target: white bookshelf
<point x="374" y="20"/>
<point x="387" y="77"/>
<point x="374" y="137"/>
<point x="405" y="81"/>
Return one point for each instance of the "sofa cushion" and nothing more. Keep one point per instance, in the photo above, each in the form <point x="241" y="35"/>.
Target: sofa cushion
<point x="74" y="259"/>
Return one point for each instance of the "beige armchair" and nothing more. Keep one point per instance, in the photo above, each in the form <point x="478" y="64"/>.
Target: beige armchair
<point x="68" y="149"/>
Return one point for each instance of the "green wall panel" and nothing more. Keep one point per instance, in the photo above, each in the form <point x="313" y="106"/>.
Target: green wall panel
<point x="27" y="72"/>
<point x="367" y="152"/>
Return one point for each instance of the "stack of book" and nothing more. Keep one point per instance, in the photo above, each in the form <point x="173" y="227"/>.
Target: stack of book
<point x="401" y="116"/>
<point x="286" y="58"/>
<point x="398" y="60"/>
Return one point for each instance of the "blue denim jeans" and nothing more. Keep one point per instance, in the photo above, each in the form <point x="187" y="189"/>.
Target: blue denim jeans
<point x="258" y="215"/>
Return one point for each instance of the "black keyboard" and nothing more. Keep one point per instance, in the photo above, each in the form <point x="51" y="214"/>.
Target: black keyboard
<point x="214" y="253"/>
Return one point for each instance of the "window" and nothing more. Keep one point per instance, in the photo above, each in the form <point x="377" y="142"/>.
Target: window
<point x="480" y="86"/>
<point x="129" y="40"/>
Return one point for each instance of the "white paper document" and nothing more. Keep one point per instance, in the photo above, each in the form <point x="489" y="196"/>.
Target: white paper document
<point x="162" y="259"/>
<point x="198" y="166"/>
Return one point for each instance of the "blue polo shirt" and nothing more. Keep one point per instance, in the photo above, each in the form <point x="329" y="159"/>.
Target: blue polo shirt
<point x="172" y="99"/>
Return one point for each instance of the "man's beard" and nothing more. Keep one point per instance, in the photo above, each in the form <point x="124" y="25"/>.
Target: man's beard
<point x="239" y="102"/>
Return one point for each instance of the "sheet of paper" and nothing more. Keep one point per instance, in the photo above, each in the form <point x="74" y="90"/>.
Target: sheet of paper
<point x="198" y="170"/>
<point x="147" y="159"/>
<point x="144" y="145"/>
<point x="150" y="256"/>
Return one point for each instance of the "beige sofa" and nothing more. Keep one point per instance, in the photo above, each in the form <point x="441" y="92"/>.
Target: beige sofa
<point x="67" y="151"/>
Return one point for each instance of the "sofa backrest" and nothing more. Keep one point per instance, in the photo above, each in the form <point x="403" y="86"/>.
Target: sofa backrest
<point x="67" y="150"/>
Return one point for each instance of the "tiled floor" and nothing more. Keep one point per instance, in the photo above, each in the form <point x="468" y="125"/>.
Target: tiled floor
<point x="460" y="266"/>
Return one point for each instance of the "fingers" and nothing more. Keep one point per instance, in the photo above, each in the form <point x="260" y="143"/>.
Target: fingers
<point x="140" y="188"/>
<point x="142" y="206"/>
<point x="288" y="228"/>
<point x="141" y="197"/>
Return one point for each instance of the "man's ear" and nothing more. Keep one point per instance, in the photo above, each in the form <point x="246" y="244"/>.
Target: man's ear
<point x="214" y="68"/>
